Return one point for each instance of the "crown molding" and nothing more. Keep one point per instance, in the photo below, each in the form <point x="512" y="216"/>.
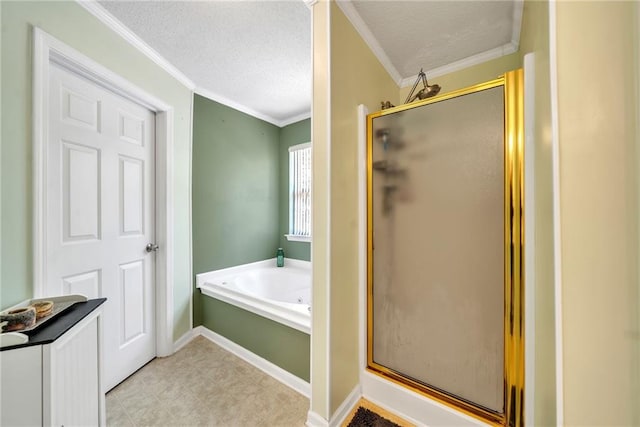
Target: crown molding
<point x="518" y="11"/>
<point x="295" y="119"/>
<point x="358" y="23"/>
<point x="469" y="61"/>
<point x="114" y="24"/>
<point x="93" y="7"/>
<point x="244" y="109"/>
<point x="236" y="106"/>
<point x="310" y="3"/>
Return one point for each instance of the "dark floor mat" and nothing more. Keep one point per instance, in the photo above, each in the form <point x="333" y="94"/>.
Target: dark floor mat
<point x="366" y="418"/>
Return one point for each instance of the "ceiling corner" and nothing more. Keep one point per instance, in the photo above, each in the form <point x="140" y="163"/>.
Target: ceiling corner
<point x="470" y="61"/>
<point x="310" y="3"/>
<point x="358" y="23"/>
<point x="295" y="119"/>
<point x="518" y="11"/>
<point x="244" y="109"/>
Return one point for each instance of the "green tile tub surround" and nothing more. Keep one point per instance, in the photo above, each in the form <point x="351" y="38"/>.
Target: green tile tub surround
<point x="283" y="346"/>
<point x="293" y="134"/>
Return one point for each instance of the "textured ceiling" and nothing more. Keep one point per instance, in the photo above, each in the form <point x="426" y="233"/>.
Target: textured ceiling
<point x="433" y="34"/>
<point x="251" y="54"/>
<point x="256" y="55"/>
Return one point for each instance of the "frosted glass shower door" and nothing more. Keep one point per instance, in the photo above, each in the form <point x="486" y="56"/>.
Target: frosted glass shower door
<point x="437" y="246"/>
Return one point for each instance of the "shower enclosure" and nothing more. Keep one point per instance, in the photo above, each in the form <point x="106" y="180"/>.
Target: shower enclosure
<point x="445" y="232"/>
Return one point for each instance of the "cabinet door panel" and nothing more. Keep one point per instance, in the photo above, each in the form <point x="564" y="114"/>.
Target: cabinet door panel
<point x="75" y="386"/>
<point x="21" y="372"/>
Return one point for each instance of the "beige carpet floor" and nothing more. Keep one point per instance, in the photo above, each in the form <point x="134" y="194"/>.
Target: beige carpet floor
<point x="203" y="384"/>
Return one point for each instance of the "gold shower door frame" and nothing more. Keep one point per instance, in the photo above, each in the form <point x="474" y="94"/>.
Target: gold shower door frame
<point x="512" y="83"/>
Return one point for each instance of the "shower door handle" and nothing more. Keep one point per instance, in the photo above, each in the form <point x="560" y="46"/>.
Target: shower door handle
<point x="152" y="247"/>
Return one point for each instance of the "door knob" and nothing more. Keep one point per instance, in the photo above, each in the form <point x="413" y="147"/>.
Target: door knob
<point x="152" y="247"/>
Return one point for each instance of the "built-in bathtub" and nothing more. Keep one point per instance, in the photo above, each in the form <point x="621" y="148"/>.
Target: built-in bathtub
<point x="282" y="294"/>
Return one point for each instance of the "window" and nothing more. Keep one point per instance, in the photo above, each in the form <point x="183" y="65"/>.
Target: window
<point x="300" y="193"/>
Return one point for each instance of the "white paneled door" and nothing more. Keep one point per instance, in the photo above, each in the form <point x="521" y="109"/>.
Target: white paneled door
<point x="100" y="213"/>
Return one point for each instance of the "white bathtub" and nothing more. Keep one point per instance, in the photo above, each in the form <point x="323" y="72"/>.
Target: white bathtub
<point x="280" y="294"/>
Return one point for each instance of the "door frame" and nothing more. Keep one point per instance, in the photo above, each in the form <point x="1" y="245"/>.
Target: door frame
<point x="47" y="50"/>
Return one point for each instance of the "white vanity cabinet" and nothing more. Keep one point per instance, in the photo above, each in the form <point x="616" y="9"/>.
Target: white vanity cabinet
<point x="56" y="383"/>
<point x="21" y="387"/>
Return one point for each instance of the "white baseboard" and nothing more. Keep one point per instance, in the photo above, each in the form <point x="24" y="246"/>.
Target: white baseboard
<point x="287" y="378"/>
<point x="340" y="415"/>
<point x="315" y="420"/>
<point x="411" y="406"/>
<point x="346" y="406"/>
<point x="184" y="340"/>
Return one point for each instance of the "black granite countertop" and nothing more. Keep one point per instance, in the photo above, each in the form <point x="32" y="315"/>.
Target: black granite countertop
<point x="56" y="327"/>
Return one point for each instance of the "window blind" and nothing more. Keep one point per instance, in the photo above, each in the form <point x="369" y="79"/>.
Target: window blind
<point x="300" y="190"/>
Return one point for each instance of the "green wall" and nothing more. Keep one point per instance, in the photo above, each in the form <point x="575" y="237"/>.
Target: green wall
<point x="235" y="187"/>
<point x="238" y="212"/>
<point x="281" y="345"/>
<point x="296" y="133"/>
<point x="74" y="26"/>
